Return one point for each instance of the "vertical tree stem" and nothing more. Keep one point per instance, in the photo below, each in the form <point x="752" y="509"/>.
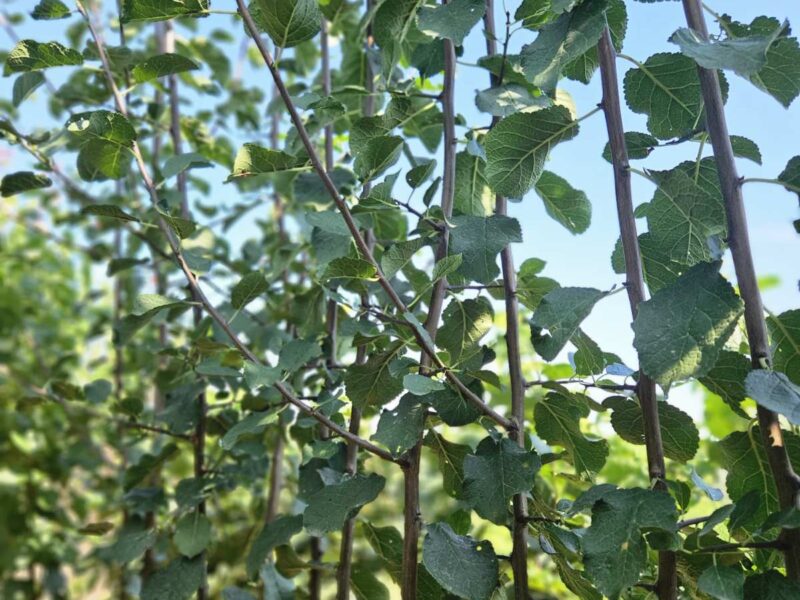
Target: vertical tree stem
<point x="411" y="513"/>
<point x="197" y="311"/>
<point x="666" y="586"/>
<point x="519" y="526"/>
<point x="786" y="480"/>
<point x="345" y="566"/>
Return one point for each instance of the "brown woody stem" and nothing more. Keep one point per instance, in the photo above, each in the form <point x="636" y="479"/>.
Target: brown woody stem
<point x="786" y="480"/>
<point x="667" y="585"/>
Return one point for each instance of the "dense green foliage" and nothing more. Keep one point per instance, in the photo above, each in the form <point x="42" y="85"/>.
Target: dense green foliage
<point x="317" y="378"/>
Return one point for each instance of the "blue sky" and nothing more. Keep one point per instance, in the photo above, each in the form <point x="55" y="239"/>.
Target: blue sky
<point x="584" y="260"/>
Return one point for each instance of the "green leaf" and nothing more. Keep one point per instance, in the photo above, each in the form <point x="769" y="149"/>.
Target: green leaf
<point x="583" y="67"/>
<point x="419" y="385"/>
<point x="726" y="379"/>
<point x="391" y="25"/>
<point x="273" y="534"/>
<point x="472" y="194"/>
<point x="494" y="473"/>
<point x="420" y="174"/>
<point x="722" y="583"/>
<point x="162" y="65"/>
<point x="666" y="88"/>
<point x="192" y="534"/>
<point x="680" y="332"/>
<point x="378" y="154"/>
<point x="25" y="85"/>
<point x="518" y="146"/>
<point x="658" y="268"/>
<point x="50" y="9"/>
<point x="614" y="548"/>
<point x="780" y="77"/>
<point x="557" y="419"/>
<point x="558" y="317"/>
<point x="746" y="148"/>
<point x="105" y="140"/>
<point x="178" y="581"/>
<point x="463" y="326"/>
<point x="682" y="216"/>
<point x="400" y="429"/>
<point x="30" y="55"/>
<point x="131" y="543"/>
<point x="147" y="463"/>
<point x="451" y="406"/>
<point x="745" y="55"/>
<point x="509" y="98"/>
<point x="784" y="330"/>
<point x="791" y="174"/>
<point x="182" y="162"/>
<point x="149" y="305"/>
<point x="372" y="383"/>
<point x="536" y="13"/>
<point x="329" y="507"/>
<point x="453" y="20"/>
<point x="252" y="424"/>
<point x="479" y="240"/>
<point x="287" y="22"/>
<point x="252" y="159"/>
<point x="346" y="267"/>
<point x="460" y="564"/>
<point x="564" y="203"/>
<point x="249" y="287"/>
<point x="365" y="585"/>
<point x="776" y="392"/>
<point x="744" y="458"/>
<point x="160" y="10"/>
<point x="589" y="359"/>
<point x="258" y="375"/>
<point x="399" y="254"/>
<point x="23" y="181"/>
<point x="678" y="432"/>
<point x="295" y="354"/>
<point x="770" y="585"/>
<point x="639" y="145"/>
<point x="562" y="41"/>
<point x="451" y="458"/>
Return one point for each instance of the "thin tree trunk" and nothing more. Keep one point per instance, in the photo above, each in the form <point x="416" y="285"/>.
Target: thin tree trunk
<point x="197" y="311"/>
<point x="666" y="586"/>
<point x="411" y="512"/>
<point x="519" y="526"/>
<point x="786" y="480"/>
<point x="345" y="566"/>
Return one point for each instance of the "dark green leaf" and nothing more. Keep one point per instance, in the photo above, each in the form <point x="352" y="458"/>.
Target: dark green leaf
<point x="494" y="473"/>
<point x="400" y="429"/>
<point x="453" y="20"/>
<point x="722" y="583"/>
<point x="50" y="9"/>
<point x="727" y="377"/>
<point x="178" y="581"/>
<point x="463" y="326"/>
<point x="23" y="181"/>
<point x="329" y="507"/>
<point x="564" y="203"/>
<point x="249" y="287"/>
<point x="25" y="85"/>
<point x="252" y="159"/>
<point x="287" y="22"/>
<point x="378" y="154"/>
<point x="30" y="55"/>
<point x="461" y="565"/>
<point x="472" y="194"/>
<point x="162" y="65"/>
<point x="160" y="10"/>
<point x="785" y="332"/>
<point x="252" y="424"/>
<point x="639" y="145"/>
<point x="192" y="534"/>
<point x="479" y="240"/>
<point x="558" y="317"/>
<point x="518" y="146"/>
<point x="272" y="535"/>
<point x="681" y="330"/>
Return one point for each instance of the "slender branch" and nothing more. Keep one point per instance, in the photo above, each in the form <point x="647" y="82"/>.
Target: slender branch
<point x="667" y="584"/>
<point x="359" y="239"/>
<point x="787" y="186"/>
<point x="192" y="281"/>
<point x="786" y="480"/>
<point x="519" y="527"/>
<point x="692" y="522"/>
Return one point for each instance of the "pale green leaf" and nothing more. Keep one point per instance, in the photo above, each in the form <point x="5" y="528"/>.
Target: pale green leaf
<point x="249" y="287"/>
<point x="775" y="391"/>
<point x="784" y="330"/>
<point x="378" y="154"/>
<point x="160" y="10"/>
<point x="287" y="22"/>
<point x="162" y="65"/>
<point x="453" y="20"/>
<point x="564" y="203"/>
<point x="192" y="534"/>
<point x="509" y="98"/>
<point x="253" y="159"/>
<point x="252" y="424"/>
<point x="25" y="85"/>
